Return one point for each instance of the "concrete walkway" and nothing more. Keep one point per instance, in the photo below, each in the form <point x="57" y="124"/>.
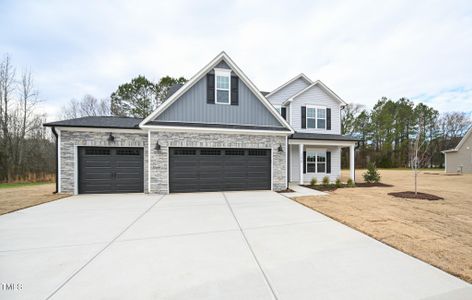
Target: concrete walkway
<point x="236" y="245"/>
<point x="300" y="191"/>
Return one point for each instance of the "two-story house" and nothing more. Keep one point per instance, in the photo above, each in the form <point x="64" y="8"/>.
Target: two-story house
<point x="314" y="113"/>
<point x="217" y="132"/>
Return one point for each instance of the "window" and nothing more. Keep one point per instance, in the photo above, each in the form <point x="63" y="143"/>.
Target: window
<point x="97" y="151"/>
<point x="223" y="86"/>
<point x="257" y="152"/>
<point x="315" y="162"/>
<point x="127" y="152"/>
<point x="315" y="117"/>
<point x="234" y="152"/>
<point x="210" y="152"/>
<point x="185" y="152"/>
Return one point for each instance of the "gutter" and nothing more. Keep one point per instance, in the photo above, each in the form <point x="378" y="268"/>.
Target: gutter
<point x="53" y="129"/>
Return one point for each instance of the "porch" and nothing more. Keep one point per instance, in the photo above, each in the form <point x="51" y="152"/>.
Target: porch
<point x="318" y="155"/>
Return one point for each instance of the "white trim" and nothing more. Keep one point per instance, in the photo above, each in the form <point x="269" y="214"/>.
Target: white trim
<point x="301" y="75"/>
<point x="286" y="161"/>
<point x="149" y="162"/>
<point x="322" y="143"/>
<point x="300" y="149"/>
<point x="216" y="130"/>
<point x="59" y="162"/>
<point x="105" y="129"/>
<point x="203" y="72"/>
<point x="223" y="73"/>
<point x="271" y="169"/>
<point x="323" y="86"/>
<point x="76" y="170"/>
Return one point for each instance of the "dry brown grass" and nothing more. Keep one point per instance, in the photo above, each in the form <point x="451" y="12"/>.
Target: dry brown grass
<point x="12" y="199"/>
<point x="437" y="232"/>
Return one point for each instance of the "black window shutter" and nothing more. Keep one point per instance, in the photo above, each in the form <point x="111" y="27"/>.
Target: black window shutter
<point x="328" y="162"/>
<point x="304" y="162"/>
<point x="210" y="88"/>
<point x="328" y="118"/>
<point x="283" y="112"/>
<point x="234" y="90"/>
<point x="303" y="116"/>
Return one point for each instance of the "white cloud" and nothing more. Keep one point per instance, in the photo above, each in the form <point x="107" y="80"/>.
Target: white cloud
<point x="363" y="50"/>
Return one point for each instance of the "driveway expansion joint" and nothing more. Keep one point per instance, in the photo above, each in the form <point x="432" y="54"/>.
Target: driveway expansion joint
<point x="266" y="278"/>
<point x="104" y="248"/>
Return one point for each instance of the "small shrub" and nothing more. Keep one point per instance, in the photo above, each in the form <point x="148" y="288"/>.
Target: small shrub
<point x="326" y="180"/>
<point x="372" y="175"/>
<point x="351" y="183"/>
<point x="313" y="181"/>
<point x="338" y="183"/>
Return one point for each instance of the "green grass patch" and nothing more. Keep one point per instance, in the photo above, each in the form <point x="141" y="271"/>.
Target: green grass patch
<point x="20" y="184"/>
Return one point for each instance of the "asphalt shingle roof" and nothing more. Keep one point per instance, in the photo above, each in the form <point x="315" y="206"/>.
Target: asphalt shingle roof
<point x="99" y="122"/>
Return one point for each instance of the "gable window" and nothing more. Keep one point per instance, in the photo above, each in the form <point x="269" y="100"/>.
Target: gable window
<point x="315" y="117"/>
<point x="315" y="162"/>
<point x="222" y="86"/>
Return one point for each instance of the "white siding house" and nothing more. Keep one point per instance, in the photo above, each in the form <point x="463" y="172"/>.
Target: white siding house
<point x="314" y="112"/>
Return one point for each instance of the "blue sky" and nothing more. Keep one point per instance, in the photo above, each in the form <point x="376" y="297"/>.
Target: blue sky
<point x="363" y="50"/>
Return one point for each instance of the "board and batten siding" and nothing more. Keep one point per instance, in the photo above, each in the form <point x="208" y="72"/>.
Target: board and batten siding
<point x="288" y="91"/>
<point x="316" y="96"/>
<point x="295" y="164"/>
<point x="192" y="107"/>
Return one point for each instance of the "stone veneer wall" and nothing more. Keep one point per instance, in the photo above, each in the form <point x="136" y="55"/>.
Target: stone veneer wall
<point x="70" y="139"/>
<point x="160" y="164"/>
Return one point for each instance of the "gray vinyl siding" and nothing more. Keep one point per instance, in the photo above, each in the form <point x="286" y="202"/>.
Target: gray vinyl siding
<point x="288" y="91"/>
<point x="461" y="159"/>
<point x="192" y="107"/>
<point x="295" y="163"/>
<point x="316" y="96"/>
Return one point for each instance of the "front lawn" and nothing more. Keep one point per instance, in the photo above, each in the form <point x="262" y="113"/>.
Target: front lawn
<point x="437" y="232"/>
<point x="20" y="184"/>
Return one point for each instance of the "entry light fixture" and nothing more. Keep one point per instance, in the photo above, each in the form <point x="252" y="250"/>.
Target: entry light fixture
<point x="111" y="138"/>
<point x="158" y="147"/>
<point x="280" y="148"/>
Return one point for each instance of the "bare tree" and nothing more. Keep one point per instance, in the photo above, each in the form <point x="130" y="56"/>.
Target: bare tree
<point x="419" y="150"/>
<point x="87" y="106"/>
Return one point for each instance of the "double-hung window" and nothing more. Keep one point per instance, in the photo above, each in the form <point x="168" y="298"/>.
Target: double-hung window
<point x="223" y="86"/>
<point x="315" y="162"/>
<point x="315" y="117"/>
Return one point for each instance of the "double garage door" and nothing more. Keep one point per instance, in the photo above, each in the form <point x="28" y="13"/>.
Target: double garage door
<point x="121" y="170"/>
<point x="210" y="169"/>
<point x="110" y="170"/>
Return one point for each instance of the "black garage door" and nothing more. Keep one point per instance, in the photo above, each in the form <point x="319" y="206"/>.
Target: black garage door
<point x="110" y="170"/>
<point x="209" y="169"/>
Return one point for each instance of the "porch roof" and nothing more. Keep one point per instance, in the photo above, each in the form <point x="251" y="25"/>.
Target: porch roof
<point x="322" y="136"/>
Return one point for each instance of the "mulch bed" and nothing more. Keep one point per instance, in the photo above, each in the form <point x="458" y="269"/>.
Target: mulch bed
<point x="332" y="187"/>
<point x="411" y="195"/>
<point x="372" y="184"/>
<point x="286" y="191"/>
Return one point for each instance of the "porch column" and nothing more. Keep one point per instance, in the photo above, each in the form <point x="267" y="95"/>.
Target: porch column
<point x="300" y="147"/>
<point x="351" y="163"/>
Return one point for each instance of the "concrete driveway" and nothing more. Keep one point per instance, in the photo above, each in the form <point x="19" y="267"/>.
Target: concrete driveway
<point x="235" y="245"/>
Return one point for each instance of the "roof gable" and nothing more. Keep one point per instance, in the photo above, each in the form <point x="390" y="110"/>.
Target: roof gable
<point x="462" y="142"/>
<point x="300" y="77"/>
<point x="197" y="77"/>
<point x="323" y="87"/>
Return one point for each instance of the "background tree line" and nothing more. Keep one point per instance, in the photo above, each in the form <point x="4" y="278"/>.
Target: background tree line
<point x="388" y="131"/>
<point x="27" y="149"/>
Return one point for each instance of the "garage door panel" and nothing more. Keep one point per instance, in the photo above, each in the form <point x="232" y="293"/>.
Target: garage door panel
<point x="110" y="170"/>
<point x="218" y="169"/>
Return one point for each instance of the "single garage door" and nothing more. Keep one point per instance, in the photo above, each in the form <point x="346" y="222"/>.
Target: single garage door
<point x="110" y="170"/>
<point x="210" y="169"/>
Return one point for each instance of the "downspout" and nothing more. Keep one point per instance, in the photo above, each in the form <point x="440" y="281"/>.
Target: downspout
<point x="57" y="153"/>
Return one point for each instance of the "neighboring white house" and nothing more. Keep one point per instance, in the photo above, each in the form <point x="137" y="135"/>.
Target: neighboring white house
<point x="314" y="112"/>
<point x="459" y="159"/>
